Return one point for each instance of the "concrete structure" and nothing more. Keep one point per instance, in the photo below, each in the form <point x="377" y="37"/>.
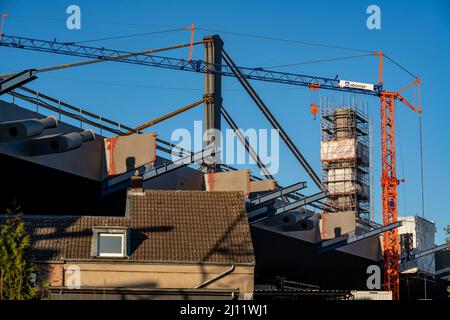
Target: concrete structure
<point x="80" y="171"/>
<point x="228" y="181"/>
<point x="417" y="234"/>
<point x="294" y="256"/>
<point x="127" y="153"/>
<point x="85" y="162"/>
<point x="262" y="185"/>
<point x="177" y="244"/>
<point x="443" y="264"/>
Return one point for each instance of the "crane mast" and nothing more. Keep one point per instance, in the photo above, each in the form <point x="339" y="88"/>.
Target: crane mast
<point x="389" y="183"/>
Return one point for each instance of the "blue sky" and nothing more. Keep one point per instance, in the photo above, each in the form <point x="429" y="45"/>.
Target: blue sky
<point x="414" y="33"/>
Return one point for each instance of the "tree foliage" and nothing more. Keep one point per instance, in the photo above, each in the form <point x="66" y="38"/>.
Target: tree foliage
<point x="15" y="268"/>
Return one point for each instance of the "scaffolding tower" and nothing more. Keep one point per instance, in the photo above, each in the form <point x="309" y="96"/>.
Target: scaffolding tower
<point x="345" y="157"/>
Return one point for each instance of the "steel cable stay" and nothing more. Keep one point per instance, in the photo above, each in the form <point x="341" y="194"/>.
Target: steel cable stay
<point x="126" y="36"/>
<point x="245" y="143"/>
<point x="318" y="61"/>
<point x="209" y="30"/>
<point x="269" y="116"/>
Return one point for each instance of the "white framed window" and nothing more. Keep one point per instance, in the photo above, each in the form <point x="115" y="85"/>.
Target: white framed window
<point x="112" y="242"/>
<point x="111" y="245"/>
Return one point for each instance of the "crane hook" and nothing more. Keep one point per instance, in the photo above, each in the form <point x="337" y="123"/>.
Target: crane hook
<point x="314" y="109"/>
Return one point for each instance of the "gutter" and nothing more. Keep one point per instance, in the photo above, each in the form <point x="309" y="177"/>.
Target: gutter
<point x="226" y="272"/>
<point x="128" y="260"/>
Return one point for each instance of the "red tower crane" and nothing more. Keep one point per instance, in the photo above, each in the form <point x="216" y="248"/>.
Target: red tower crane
<point x="389" y="180"/>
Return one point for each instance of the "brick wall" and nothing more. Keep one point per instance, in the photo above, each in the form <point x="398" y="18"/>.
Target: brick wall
<point x="51" y="272"/>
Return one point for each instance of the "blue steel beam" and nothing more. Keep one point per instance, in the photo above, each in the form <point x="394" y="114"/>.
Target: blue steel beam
<point x="274" y="194"/>
<point x="199" y="66"/>
<point x="255" y="215"/>
<point x="123" y="181"/>
<point x="9" y="84"/>
<point x="403" y="257"/>
<point x="341" y="242"/>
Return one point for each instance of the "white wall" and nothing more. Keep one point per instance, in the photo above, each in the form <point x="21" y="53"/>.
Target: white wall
<point x="423" y="232"/>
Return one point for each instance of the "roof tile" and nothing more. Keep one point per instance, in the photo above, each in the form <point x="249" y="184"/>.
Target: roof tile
<point x="181" y="226"/>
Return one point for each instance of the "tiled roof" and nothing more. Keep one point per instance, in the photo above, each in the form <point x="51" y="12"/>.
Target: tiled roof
<point x="181" y="226"/>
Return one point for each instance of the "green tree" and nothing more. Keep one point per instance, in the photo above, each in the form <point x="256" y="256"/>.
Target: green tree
<point x="15" y="268"/>
<point x="447" y="233"/>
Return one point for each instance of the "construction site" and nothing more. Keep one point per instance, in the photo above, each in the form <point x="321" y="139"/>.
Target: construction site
<point x="115" y="209"/>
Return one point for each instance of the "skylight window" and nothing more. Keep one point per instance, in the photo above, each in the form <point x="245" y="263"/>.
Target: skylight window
<point x="110" y="242"/>
<point x="110" y="245"/>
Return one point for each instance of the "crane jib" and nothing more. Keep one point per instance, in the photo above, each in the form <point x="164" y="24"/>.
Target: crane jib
<point x="200" y="66"/>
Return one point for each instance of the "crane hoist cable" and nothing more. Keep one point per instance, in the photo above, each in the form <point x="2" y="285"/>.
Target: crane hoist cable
<point x="112" y="58"/>
<point x="419" y="102"/>
<point x="269" y="116"/>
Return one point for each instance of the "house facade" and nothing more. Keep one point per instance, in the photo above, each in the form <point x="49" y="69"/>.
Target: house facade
<point x="168" y="245"/>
